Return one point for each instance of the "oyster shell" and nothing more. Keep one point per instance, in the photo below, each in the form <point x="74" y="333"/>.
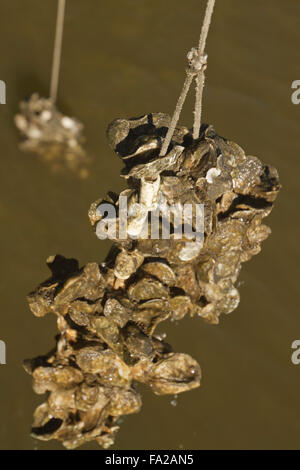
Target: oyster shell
<point x="147" y="289"/>
<point x="162" y="271"/>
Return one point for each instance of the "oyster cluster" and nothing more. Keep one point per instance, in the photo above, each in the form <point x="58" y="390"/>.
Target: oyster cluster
<point x="235" y="190"/>
<point x="47" y="132"/>
<point x="107" y="313"/>
<point x="105" y="345"/>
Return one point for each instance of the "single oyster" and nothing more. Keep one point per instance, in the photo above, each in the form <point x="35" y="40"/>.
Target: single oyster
<point x="147" y="289"/>
<point x="127" y="264"/>
<point x="176" y="373"/>
<point x="161" y="271"/>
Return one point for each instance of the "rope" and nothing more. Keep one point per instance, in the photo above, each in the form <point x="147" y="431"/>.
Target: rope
<point x="200" y="80"/>
<point x="174" y="120"/>
<point x="57" y="49"/>
<point x="197" y="61"/>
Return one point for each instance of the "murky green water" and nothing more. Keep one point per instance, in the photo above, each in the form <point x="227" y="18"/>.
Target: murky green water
<point x="122" y="59"/>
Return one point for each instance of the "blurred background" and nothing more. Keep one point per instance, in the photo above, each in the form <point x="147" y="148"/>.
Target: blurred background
<point x="122" y="59"/>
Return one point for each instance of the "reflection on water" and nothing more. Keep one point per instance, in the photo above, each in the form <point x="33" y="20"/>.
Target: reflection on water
<point x="122" y="59"/>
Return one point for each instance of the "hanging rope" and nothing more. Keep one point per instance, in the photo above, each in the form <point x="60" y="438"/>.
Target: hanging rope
<point x="200" y="79"/>
<point x="57" y="49"/>
<point x="197" y="61"/>
<point x="180" y="102"/>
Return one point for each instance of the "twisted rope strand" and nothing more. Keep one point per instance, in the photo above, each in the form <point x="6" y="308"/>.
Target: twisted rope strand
<point x="200" y="79"/>
<point x="197" y="65"/>
<point x="57" y="49"/>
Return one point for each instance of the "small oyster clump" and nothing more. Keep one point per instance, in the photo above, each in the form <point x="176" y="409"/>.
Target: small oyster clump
<point x="51" y="135"/>
<point x="107" y="314"/>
